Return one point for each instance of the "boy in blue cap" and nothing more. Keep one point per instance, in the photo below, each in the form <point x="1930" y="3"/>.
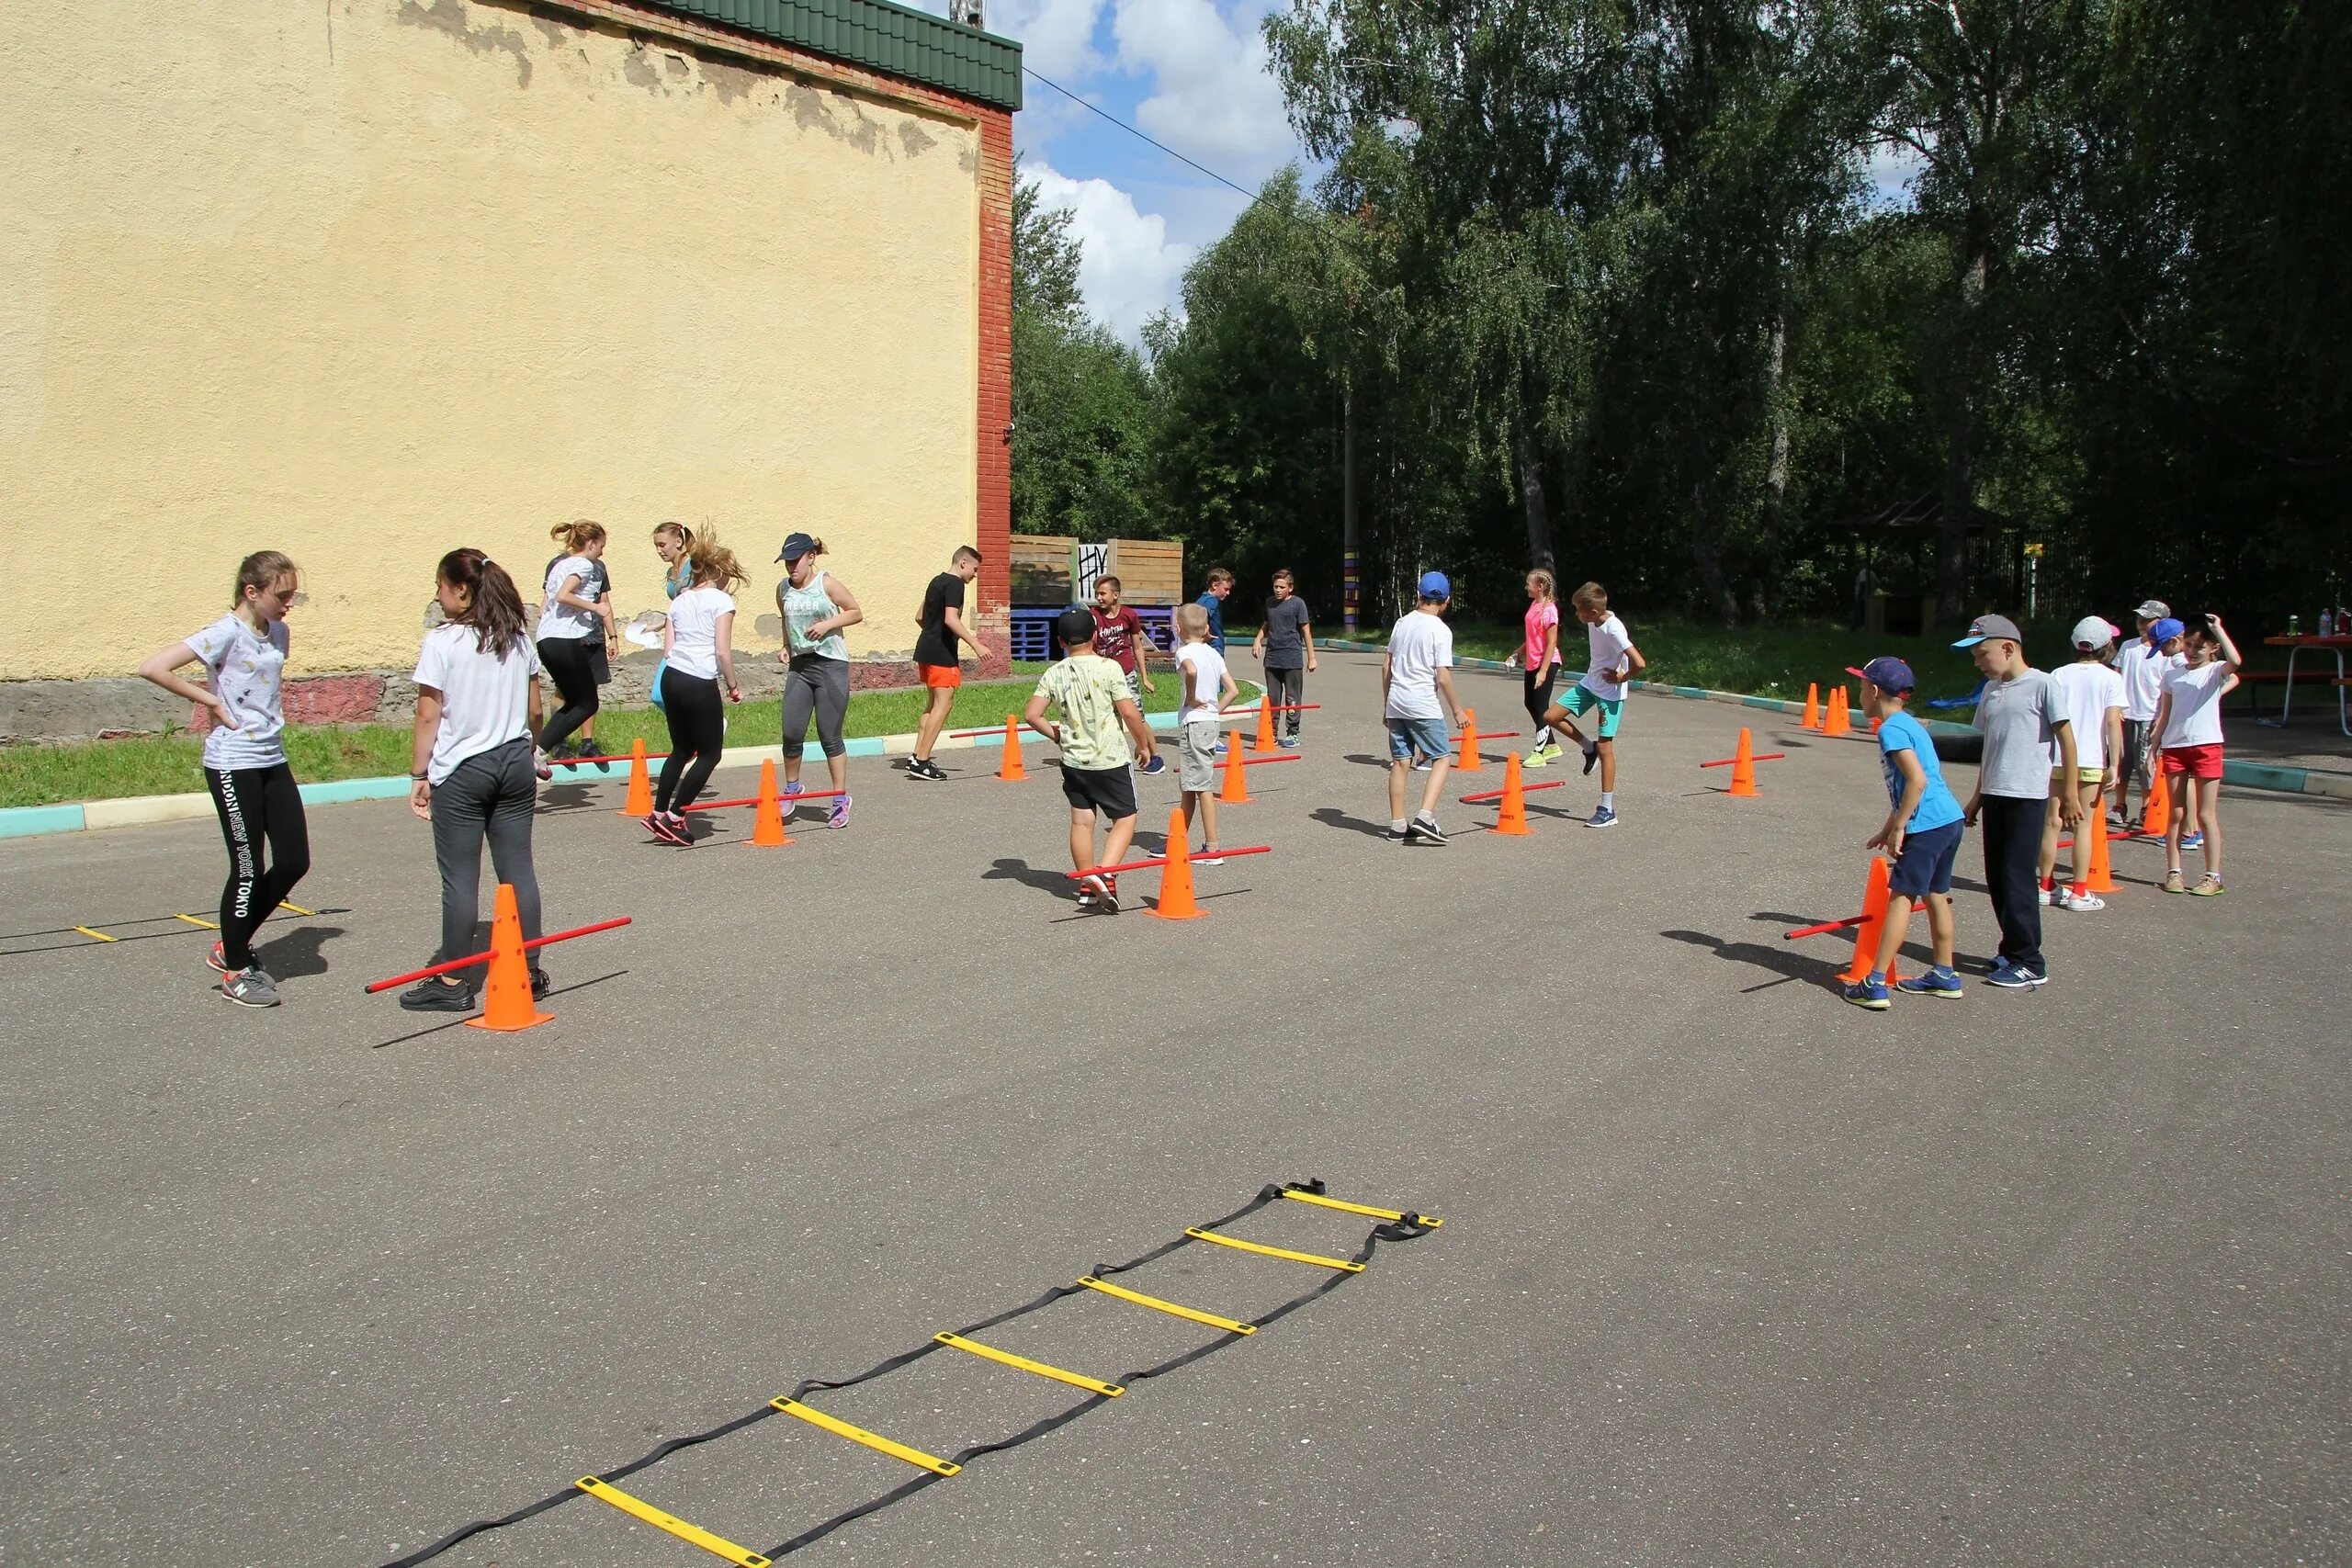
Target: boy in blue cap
<point x="1414" y="673"/>
<point x="1922" y="833"/>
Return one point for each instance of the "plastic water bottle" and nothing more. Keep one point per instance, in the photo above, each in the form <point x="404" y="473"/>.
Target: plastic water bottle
<point x="2294" y="626"/>
<point x="2326" y="622"/>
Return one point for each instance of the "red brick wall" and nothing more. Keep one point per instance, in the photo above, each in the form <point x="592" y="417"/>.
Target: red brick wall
<point x="995" y="489"/>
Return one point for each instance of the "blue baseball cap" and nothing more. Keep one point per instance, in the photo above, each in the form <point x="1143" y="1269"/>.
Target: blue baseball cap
<point x="1889" y="673"/>
<point x="1435" y="586"/>
<point x="2164" y="631"/>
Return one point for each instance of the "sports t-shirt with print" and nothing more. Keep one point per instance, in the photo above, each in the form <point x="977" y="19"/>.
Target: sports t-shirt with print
<point x="935" y="644"/>
<point x="1938" y="808"/>
<point x="246" y="671"/>
<point x="485" y="698"/>
<point x="1420" y="644"/>
<point x="2195" y="693"/>
<point x="1089" y="688"/>
<point x="1606" y="644"/>
<point x="2087" y="690"/>
<point x="694" y="630"/>
<point x="1117" y="635"/>
<point x="1207" y="666"/>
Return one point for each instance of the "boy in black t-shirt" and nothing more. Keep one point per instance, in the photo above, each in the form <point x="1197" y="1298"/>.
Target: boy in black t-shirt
<point x="941" y="620"/>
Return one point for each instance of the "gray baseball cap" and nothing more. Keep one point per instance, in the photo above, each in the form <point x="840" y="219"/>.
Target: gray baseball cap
<point x="2153" y="610"/>
<point x="1985" y="627"/>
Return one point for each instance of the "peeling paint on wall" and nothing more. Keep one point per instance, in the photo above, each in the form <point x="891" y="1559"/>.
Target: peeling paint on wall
<point x="450" y="17"/>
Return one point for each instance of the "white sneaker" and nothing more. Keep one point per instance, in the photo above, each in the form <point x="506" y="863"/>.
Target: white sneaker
<point x="2083" y="903"/>
<point x="2047" y="897"/>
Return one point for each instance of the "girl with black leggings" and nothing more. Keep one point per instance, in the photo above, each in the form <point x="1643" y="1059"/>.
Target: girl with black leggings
<point x="698" y="657"/>
<point x="260" y="808"/>
<point x="575" y="627"/>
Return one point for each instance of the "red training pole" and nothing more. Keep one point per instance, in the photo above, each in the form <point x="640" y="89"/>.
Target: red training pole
<point x="457" y="964"/>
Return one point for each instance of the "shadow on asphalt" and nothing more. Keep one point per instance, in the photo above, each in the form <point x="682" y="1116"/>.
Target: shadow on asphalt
<point x="454" y="1019"/>
<point x="1007" y="869"/>
<point x="298" y="951"/>
<point x="1332" y="816"/>
<point x="1786" y="963"/>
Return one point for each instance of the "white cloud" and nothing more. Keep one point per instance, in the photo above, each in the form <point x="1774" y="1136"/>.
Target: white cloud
<point x="1214" y="96"/>
<point x="1057" y="36"/>
<point x="1129" y="269"/>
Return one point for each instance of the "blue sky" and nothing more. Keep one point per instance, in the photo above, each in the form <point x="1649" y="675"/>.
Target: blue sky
<point x="1192" y="74"/>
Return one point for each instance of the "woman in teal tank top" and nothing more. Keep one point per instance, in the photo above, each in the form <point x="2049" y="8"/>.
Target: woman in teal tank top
<point x="815" y="608"/>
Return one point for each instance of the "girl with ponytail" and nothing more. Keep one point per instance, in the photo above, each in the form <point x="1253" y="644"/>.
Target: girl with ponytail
<point x="577" y="636"/>
<point x="472" y="771"/>
<point x="698" y="660"/>
<point x="254" y="793"/>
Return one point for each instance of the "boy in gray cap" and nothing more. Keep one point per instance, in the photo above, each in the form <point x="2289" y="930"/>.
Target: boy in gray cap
<point x="2022" y="715"/>
<point x="2142" y="665"/>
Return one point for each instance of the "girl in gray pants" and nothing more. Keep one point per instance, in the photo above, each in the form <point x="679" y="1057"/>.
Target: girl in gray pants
<point x="814" y="607"/>
<point x="474" y="772"/>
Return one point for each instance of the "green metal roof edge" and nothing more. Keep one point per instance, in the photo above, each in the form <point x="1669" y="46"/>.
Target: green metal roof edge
<point x="880" y="35"/>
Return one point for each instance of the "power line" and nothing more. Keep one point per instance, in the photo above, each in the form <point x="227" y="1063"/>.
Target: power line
<point x="1253" y="196"/>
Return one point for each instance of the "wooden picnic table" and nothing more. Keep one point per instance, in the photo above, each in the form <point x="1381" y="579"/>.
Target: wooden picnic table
<point x="2294" y="647"/>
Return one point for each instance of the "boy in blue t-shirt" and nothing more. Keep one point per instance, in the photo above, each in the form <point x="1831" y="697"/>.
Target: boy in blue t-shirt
<point x="1922" y="834"/>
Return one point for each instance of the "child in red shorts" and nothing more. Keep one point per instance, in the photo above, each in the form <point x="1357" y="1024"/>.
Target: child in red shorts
<point x="2189" y="736"/>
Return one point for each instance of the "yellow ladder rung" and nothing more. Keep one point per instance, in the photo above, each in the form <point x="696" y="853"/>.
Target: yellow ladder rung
<point x="1006" y="1358"/>
<point x="1344" y="1265"/>
<point x="191" y="919"/>
<point x="875" y="1440"/>
<point x="1320" y="1201"/>
<point x="637" y="1508"/>
<point x="1193" y="1313"/>
<point x="296" y="908"/>
<point x="96" y="936"/>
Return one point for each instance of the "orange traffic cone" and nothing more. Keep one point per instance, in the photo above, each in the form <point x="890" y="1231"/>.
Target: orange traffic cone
<point x="1265" y="739"/>
<point x="1874" y="723"/>
<point x="1836" y="723"/>
<point x="1512" y="821"/>
<point x="1237" y="785"/>
<point x="1175" y="901"/>
<point x="2158" y="817"/>
<point x="767" y="826"/>
<point x="1743" y="767"/>
<point x="506" y="998"/>
<point x="1812" y="706"/>
<point x="1468" y="762"/>
<point x="2098" y="877"/>
<point x="1866" y="935"/>
<point x="641" y="784"/>
<point x="1010" y="770"/>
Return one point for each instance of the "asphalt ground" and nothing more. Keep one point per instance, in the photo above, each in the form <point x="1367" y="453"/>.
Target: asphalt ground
<point x="1731" y="1272"/>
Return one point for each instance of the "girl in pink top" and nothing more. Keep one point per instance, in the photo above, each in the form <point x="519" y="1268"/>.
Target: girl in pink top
<point x="1539" y="658"/>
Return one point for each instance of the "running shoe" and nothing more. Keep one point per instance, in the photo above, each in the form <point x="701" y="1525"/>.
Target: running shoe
<point x="1934" y="982"/>
<point x="2193" y="840"/>
<point x="2081" y="903"/>
<point x="540" y="983"/>
<point x="1424" y="828"/>
<point x="659" y="825"/>
<point x="2016" y="977"/>
<point x="1089" y="892"/>
<point x="1108" y="904"/>
<point x="1218" y="749"/>
<point x="1870" y="992"/>
<point x="443" y="993"/>
<point x="1394" y="833"/>
<point x="791" y="796"/>
<point x="2210" y="888"/>
<point x="1603" y="817"/>
<point x="2173" y="883"/>
<point x="250" y="988"/>
<point x="218" y="960"/>
<point x="1288" y="743"/>
<point x="1421" y="766"/>
<point x="682" y="829"/>
<point x="1591" y="758"/>
<point x="1208" y="857"/>
<point x="839" y="815"/>
<point x="604" y="765"/>
<point x="923" y="768"/>
<point x="1539" y="758"/>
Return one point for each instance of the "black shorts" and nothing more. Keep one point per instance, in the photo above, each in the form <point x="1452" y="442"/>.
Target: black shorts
<point x="1111" y="790"/>
<point x="599" y="665"/>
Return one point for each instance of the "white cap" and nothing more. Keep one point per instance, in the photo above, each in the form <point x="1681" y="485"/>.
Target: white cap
<point x="2093" y="631"/>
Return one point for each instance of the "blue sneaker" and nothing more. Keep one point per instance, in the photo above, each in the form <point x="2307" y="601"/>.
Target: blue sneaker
<point x="2193" y="840"/>
<point x="1870" y="992"/>
<point x="2016" y="977"/>
<point x="1934" y="982"/>
<point x="1603" y="817"/>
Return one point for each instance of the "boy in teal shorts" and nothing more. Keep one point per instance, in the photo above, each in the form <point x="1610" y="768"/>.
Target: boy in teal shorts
<point x="1922" y="833"/>
<point x="1610" y="661"/>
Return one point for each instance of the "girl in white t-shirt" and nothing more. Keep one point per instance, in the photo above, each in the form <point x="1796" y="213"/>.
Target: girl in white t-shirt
<point x="472" y="773"/>
<point x="2189" y="736"/>
<point x="698" y="660"/>
<point x="575" y="624"/>
<point x="254" y="793"/>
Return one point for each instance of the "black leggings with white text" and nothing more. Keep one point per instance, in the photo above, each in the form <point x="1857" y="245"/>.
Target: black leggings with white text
<point x="259" y="808"/>
<point x="569" y="663"/>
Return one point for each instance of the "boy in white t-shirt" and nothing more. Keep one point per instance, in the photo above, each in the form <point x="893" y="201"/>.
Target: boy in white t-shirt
<point x="2142" y="665"/>
<point x="1417" y="701"/>
<point x="1208" y="687"/>
<point x="2189" y="735"/>
<point x="2092" y="695"/>
<point x="1610" y="661"/>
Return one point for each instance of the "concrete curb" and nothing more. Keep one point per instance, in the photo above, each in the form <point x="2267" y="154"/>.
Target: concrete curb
<point x="2245" y="775"/>
<point x="138" y="810"/>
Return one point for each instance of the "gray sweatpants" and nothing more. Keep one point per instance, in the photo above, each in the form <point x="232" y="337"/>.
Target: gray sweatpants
<point x="819" y="685"/>
<point x="487" y="796"/>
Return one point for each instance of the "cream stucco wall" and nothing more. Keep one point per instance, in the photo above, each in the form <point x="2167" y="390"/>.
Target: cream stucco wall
<point x="367" y="280"/>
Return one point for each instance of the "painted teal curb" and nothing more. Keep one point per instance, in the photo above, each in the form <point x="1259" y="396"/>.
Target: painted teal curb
<point x="2263" y="776"/>
<point x="334" y="792"/>
<point x="26" y="821"/>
